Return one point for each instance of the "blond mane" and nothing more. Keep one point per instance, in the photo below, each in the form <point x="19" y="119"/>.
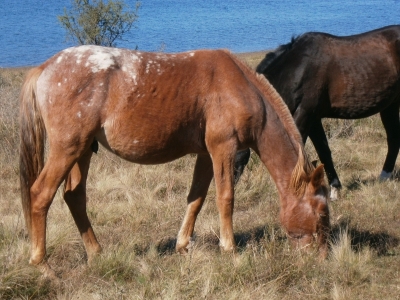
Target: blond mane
<point x="303" y="168"/>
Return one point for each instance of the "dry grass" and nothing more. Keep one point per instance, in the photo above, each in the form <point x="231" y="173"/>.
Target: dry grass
<point x="136" y="212"/>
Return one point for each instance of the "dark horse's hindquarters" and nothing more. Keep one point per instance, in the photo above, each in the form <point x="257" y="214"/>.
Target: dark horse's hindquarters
<point x="324" y="76"/>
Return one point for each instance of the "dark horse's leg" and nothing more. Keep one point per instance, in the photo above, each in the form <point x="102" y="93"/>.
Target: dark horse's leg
<point x="241" y="160"/>
<point x="318" y="138"/>
<point x="390" y="120"/>
<point x="310" y="125"/>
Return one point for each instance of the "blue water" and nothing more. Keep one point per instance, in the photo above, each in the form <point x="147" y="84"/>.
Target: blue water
<point x="30" y="32"/>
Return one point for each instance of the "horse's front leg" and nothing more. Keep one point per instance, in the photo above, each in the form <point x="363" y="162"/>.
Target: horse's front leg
<point x="202" y="176"/>
<point x="223" y="163"/>
<point x="391" y="123"/>
<point x="318" y="138"/>
<point x="311" y="125"/>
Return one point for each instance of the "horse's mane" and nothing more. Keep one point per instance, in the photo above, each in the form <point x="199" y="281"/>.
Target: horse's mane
<point x="303" y="169"/>
<point x="273" y="55"/>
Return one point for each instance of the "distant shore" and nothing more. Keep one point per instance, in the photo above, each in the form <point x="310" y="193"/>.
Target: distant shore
<point x="253" y="58"/>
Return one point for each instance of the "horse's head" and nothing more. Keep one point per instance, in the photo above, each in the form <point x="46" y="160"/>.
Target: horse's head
<point x="306" y="219"/>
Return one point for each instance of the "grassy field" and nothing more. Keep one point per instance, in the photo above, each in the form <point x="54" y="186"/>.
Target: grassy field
<point x="136" y="212"/>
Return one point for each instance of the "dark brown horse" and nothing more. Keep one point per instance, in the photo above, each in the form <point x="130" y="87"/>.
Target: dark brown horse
<point x="152" y="108"/>
<point x="320" y="75"/>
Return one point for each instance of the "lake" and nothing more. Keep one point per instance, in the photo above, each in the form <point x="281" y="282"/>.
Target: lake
<point x="30" y="32"/>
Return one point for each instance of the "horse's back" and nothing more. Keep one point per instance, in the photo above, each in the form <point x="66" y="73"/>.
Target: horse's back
<point x="363" y="73"/>
<point x="339" y="77"/>
<point x="145" y="107"/>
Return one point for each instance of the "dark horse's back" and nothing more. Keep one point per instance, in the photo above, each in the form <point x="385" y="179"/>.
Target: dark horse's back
<point x="339" y="77"/>
<point x="320" y="75"/>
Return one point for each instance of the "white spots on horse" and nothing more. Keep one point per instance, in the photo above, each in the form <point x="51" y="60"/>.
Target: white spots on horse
<point x="136" y="56"/>
<point x="79" y="114"/>
<point x="100" y="61"/>
<point x="156" y="64"/>
<point x="43" y="88"/>
<point x="187" y="55"/>
<point x="95" y="57"/>
<point x="78" y="58"/>
<point x="59" y="84"/>
<point x="131" y="74"/>
<point x="59" y="59"/>
<point x="130" y="71"/>
<point x="136" y="141"/>
<point x="91" y="102"/>
<point x="148" y="65"/>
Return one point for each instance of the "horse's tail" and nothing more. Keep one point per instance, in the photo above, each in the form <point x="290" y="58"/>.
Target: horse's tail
<point x="32" y="141"/>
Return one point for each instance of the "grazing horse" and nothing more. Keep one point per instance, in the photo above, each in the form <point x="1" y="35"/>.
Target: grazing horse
<point x="152" y="108"/>
<point x="320" y="75"/>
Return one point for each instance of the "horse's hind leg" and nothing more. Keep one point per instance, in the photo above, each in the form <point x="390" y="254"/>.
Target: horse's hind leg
<point x="42" y="194"/>
<point x="75" y="197"/>
<point x="390" y="120"/>
<point x="202" y="176"/>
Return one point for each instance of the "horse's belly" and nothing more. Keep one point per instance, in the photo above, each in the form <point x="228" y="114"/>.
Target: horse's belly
<point x="147" y="145"/>
<point x="362" y="107"/>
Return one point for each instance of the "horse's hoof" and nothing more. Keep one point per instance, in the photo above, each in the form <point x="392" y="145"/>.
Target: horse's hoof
<point x="47" y="272"/>
<point x="185" y="249"/>
<point x="335" y="193"/>
<point x="385" y="176"/>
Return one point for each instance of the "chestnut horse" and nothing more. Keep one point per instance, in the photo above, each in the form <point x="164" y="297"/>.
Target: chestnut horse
<point x="320" y="75"/>
<point x="152" y="108"/>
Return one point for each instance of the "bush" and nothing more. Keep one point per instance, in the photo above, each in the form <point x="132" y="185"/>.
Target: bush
<point x="97" y="22"/>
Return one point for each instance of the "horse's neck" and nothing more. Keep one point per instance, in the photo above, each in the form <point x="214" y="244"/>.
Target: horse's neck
<point x="279" y="155"/>
<point x="280" y="139"/>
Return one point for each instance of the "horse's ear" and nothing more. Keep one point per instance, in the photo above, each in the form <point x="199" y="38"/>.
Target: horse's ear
<point x="317" y="177"/>
<point x="314" y="163"/>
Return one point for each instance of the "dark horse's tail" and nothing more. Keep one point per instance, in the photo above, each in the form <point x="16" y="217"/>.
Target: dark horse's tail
<point x="32" y="141"/>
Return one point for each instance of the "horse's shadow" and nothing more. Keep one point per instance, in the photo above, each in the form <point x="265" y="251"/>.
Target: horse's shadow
<point x="355" y="183"/>
<point x="211" y="241"/>
<point x="380" y="242"/>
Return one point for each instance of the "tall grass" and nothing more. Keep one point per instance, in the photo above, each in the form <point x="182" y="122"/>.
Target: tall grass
<point x="136" y="212"/>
